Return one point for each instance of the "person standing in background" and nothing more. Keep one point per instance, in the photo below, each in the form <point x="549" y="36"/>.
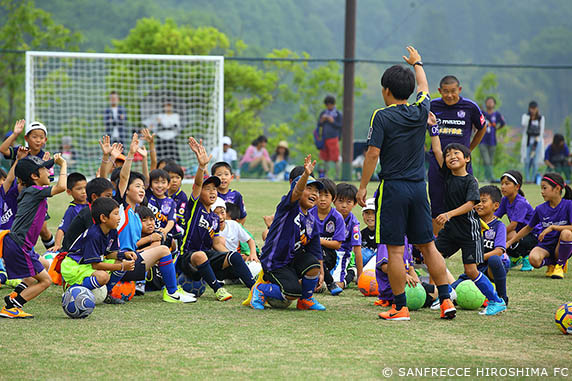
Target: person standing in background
<point x="532" y="144"/>
<point x="166" y="127"/>
<point x="114" y="119"/>
<point x="330" y="123"/>
<point x="495" y="121"/>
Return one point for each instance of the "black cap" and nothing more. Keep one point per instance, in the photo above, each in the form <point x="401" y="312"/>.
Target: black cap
<point x="212" y="180"/>
<point x="30" y="164"/>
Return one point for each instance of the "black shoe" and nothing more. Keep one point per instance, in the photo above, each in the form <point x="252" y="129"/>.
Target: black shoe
<point x="111" y="300"/>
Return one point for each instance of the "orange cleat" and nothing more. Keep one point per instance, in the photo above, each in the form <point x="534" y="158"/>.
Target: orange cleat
<point x="393" y="314"/>
<point x="448" y="310"/>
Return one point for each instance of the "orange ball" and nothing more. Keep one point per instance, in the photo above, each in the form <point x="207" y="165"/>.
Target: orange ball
<point x="367" y="283"/>
<point x="123" y="290"/>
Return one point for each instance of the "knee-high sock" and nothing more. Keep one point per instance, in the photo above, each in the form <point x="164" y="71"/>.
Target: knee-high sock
<point x="462" y="277"/>
<point x="564" y="252"/>
<point x="241" y="269"/>
<point x="167" y="270"/>
<point x="308" y="285"/>
<point x="3" y="277"/>
<point x="207" y="274"/>
<point x="499" y="274"/>
<point x="486" y="287"/>
<point x="90" y="283"/>
<point x="271" y="290"/>
<point x="113" y="279"/>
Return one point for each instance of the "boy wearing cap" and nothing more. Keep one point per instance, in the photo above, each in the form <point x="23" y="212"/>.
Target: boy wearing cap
<point x="291" y="254"/>
<point x="18" y="246"/>
<point x="204" y="255"/>
<point x="233" y="232"/>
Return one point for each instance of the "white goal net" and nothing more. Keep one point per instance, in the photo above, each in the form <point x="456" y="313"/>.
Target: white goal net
<point x="82" y="96"/>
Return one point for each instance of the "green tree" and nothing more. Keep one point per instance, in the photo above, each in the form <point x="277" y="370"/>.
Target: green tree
<point x="24" y="27"/>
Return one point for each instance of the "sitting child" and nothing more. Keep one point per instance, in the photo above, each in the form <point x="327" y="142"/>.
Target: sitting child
<point x="233" y="232"/>
<point x="368" y="245"/>
<point x="76" y="189"/>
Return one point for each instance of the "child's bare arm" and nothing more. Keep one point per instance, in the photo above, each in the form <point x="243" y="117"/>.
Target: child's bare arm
<point x="124" y="265"/>
<point x="6" y="144"/>
<point x="61" y="185"/>
<point x="358" y="260"/>
<point x="203" y="158"/>
<point x="22" y="152"/>
<point x="126" y="169"/>
<point x="59" y="240"/>
<point x="329" y="244"/>
<point x="301" y="185"/>
<point x="150" y="138"/>
<point x="252" y="247"/>
<point x="144" y="164"/>
<point x="167" y="228"/>
<point x="520" y="235"/>
<point x="420" y="77"/>
<point x="463" y="209"/>
<point x="496" y="251"/>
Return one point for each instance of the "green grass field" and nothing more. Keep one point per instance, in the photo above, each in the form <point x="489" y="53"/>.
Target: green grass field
<point x="147" y="338"/>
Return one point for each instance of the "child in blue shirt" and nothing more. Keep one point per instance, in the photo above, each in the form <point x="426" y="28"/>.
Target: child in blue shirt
<point x="76" y="188"/>
<point x="332" y="233"/>
<point x="223" y="171"/>
<point x="291" y="254"/>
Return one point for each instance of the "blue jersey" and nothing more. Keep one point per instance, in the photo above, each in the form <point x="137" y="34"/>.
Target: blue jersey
<point x="202" y="227"/>
<point x="163" y="208"/>
<point x="8" y="206"/>
<point x="93" y="245"/>
<point x="399" y="132"/>
<point x="71" y="212"/>
<point x="129" y="227"/>
<point x="332" y="227"/>
<point x="352" y="234"/>
<point x="292" y="232"/>
<point x="236" y="198"/>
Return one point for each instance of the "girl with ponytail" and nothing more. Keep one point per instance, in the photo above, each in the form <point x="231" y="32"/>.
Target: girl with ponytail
<point x="519" y="212"/>
<point x="555" y="215"/>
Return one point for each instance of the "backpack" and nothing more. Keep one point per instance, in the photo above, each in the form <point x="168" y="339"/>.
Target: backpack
<point x="533" y="130"/>
<point x="318" y="141"/>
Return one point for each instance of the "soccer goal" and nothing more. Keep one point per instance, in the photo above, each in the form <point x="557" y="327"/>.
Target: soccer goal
<point x="82" y="96"/>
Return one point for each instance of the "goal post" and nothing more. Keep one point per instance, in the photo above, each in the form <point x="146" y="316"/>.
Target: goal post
<point x="174" y="96"/>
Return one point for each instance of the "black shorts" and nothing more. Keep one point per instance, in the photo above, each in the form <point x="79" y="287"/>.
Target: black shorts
<point x="330" y="258"/>
<point x="402" y="209"/>
<point x="138" y="272"/>
<point x="216" y="260"/>
<point x="472" y="251"/>
<point x="288" y="277"/>
<point x="523" y="247"/>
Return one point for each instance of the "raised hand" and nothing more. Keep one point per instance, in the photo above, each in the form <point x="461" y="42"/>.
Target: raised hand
<point x="309" y="165"/>
<point x="59" y="159"/>
<point x="116" y="150"/>
<point x="19" y="126"/>
<point x="142" y="151"/>
<point x="147" y="136"/>
<point x="105" y="144"/>
<point x="200" y="151"/>
<point x="46" y="156"/>
<point x="134" y="144"/>
<point x="22" y="152"/>
<point x="414" y="56"/>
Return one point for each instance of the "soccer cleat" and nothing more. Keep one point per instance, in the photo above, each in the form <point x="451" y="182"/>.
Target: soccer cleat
<point x="14" y="313"/>
<point x="310" y="304"/>
<point x="177" y="297"/>
<point x="549" y="271"/>
<point x="111" y="300"/>
<point x="436" y="305"/>
<point x="565" y="267"/>
<point x="382" y="303"/>
<point x="335" y="289"/>
<point x="257" y="301"/>
<point x="515" y="261"/>
<point x="448" y="310"/>
<point x="222" y="295"/>
<point x="185" y="292"/>
<point x="494" y="308"/>
<point x="393" y="314"/>
<point x="13" y="282"/>
<point x="526" y="265"/>
<point x="558" y="272"/>
<point x="139" y="289"/>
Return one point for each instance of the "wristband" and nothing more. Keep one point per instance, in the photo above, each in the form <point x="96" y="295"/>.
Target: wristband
<point x="122" y="266"/>
<point x="420" y="63"/>
<point x="128" y="159"/>
<point x="433" y="130"/>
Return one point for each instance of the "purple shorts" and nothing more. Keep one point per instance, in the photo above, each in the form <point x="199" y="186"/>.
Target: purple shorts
<point x="549" y="246"/>
<point x="437" y="186"/>
<point x="19" y="263"/>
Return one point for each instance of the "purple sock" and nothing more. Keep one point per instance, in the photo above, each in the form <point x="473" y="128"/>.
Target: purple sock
<point x="564" y="252"/>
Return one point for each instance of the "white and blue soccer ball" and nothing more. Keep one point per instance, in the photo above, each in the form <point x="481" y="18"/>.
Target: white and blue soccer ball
<point x="196" y="287"/>
<point x="78" y="302"/>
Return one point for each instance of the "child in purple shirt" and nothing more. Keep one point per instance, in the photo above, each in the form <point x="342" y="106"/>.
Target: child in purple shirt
<point x="555" y="216"/>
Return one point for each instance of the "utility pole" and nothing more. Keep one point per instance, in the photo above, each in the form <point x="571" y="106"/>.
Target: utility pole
<point x="349" y="68"/>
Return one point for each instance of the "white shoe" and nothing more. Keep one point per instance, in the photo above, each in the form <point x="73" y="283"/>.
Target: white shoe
<point x="435" y="305"/>
<point x="185" y="292"/>
<point x="453" y="295"/>
<point x="178" y="297"/>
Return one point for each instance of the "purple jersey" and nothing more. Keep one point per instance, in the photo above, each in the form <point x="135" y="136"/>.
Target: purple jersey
<point x="352" y="234"/>
<point x="93" y="245"/>
<point x="236" y="198"/>
<point x="292" y="233"/>
<point x="163" y="208"/>
<point x="519" y="210"/>
<point x="545" y="215"/>
<point x="332" y="227"/>
<point x="71" y="212"/>
<point x="495" y="120"/>
<point x="557" y="157"/>
<point x="456" y="122"/>
<point x="495" y="237"/>
<point x="181" y="200"/>
<point x="202" y="227"/>
<point x="9" y="206"/>
<point x="30" y="217"/>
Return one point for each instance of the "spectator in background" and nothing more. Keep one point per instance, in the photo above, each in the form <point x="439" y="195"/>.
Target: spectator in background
<point x="67" y="150"/>
<point x="330" y="123"/>
<point x="556" y="156"/>
<point x="166" y="127"/>
<point x="229" y="155"/>
<point x="256" y="160"/>
<point x="495" y="121"/>
<point x="114" y="119"/>
<point x="532" y="144"/>
<point x="280" y="161"/>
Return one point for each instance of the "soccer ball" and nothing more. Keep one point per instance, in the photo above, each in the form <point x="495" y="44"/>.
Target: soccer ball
<point x="468" y="295"/>
<point x="276" y="303"/>
<point x="367" y="283"/>
<point x="100" y="294"/>
<point x="123" y="290"/>
<point x="415" y="296"/>
<point x="196" y="287"/>
<point x="563" y="318"/>
<point x="78" y="302"/>
<point x="49" y="256"/>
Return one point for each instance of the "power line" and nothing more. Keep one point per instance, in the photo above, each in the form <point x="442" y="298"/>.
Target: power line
<point x="377" y="62"/>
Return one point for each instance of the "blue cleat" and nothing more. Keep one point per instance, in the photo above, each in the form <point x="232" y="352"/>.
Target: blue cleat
<point x="494" y="308"/>
<point x="310" y="304"/>
<point x="257" y="301"/>
<point x="526" y="266"/>
<point x="335" y="289"/>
